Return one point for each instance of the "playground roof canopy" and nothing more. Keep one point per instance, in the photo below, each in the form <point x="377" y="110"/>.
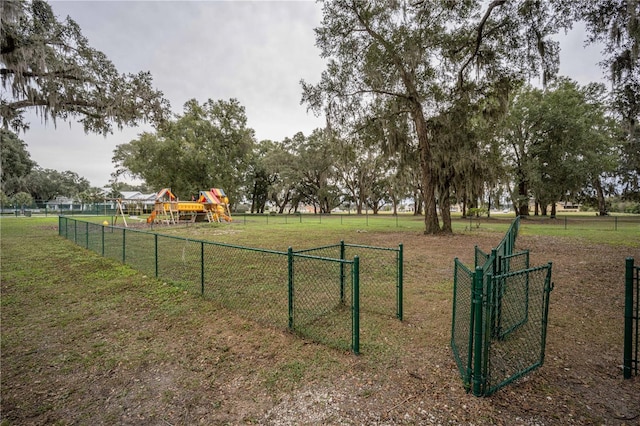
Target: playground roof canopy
<point x="137" y="196"/>
<point x="212" y="196"/>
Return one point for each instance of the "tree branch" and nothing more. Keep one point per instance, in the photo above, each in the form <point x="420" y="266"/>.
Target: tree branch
<point x="69" y="103"/>
<point x="406" y="78"/>
<point x="378" y="91"/>
<point x="62" y="74"/>
<point x="493" y="5"/>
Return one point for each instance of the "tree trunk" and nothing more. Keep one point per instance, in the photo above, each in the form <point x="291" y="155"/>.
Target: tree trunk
<point x="553" y="209"/>
<point x="445" y="211"/>
<point x="285" y="202"/>
<point x="417" y="204"/>
<point x="523" y="198"/>
<point x="602" y="206"/>
<point x="428" y="180"/>
<point x="253" y="196"/>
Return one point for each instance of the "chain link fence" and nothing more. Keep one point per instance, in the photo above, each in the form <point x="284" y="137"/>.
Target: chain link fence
<point x="381" y="274"/>
<point x="500" y="311"/>
<point x="313" y="292"/>
<point x="518" y="312"/>
<point x="631" y="357"/>
<point x="462" y="326"/>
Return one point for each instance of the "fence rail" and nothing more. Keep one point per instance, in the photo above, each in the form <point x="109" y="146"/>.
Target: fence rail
<point x="631" y="319"/>
<point x="315" y="292"/>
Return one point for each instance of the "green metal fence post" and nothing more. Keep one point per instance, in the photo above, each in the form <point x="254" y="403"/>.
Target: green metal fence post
<point x="202" y="268"/>
<point x="399" y="283"/>
<point x="341" y="272"/>
<point x="469" y="366"/>
<point x="548" y="286"/>
<point x="155" y="241"/>
<point x="355" y="312"/>
<point x="86" y="236"/>
<point x="487" y="307"/>
<point x="565" y="222"/>
<point x="478" y="374"/>
<point x="75" y="231"/>
<point x="615" y="223"/>
<point x="496" y="294"/>
<point x="124" y="245"/>
<point x="628" y="317"/>
<point x="290" y="266"/>
<point x="102" y="241"/>
<point x="59" y="226"/>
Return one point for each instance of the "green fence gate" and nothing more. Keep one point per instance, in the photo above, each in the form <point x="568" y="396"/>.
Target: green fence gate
<point x="631" y="318"/>
<point x="500" y="311"/>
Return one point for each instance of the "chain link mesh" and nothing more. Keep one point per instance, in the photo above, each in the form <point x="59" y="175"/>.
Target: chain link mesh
<point x="113" y="243"/>
<point x="514" y="262"/>
<point x="378" y="278"/>
<point x="322" y="299"/>
<point x="252" y="283"/>
<point x="517" y="345"/>
<point x="179" y="261"/>
<point x="461" y="324"/>
<point x="139" y="250"/>
<point x="379" y="269"/>
<point x="94" y="240"/>
<point x="481" y="257"/>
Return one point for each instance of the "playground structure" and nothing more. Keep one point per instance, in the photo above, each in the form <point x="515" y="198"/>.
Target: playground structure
<point x="211" y="205"/>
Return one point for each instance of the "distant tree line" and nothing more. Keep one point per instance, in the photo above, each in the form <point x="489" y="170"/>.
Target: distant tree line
<point x="425" y="100"/>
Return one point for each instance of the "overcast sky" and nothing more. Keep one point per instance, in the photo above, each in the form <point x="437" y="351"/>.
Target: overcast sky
<point x="255" y="51"/>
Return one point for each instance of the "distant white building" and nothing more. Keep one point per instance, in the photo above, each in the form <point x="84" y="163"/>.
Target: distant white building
<point x="134" y="200"/>
<point x="63" y="203"/>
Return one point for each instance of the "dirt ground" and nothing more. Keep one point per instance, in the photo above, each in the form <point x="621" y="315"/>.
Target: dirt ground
<point x="211" y="367"/>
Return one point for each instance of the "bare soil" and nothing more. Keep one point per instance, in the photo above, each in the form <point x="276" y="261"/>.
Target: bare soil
<point x="159" y="357"/>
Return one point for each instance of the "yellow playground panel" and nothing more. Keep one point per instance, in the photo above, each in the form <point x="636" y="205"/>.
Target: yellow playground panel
<point x="212" y="205"/>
